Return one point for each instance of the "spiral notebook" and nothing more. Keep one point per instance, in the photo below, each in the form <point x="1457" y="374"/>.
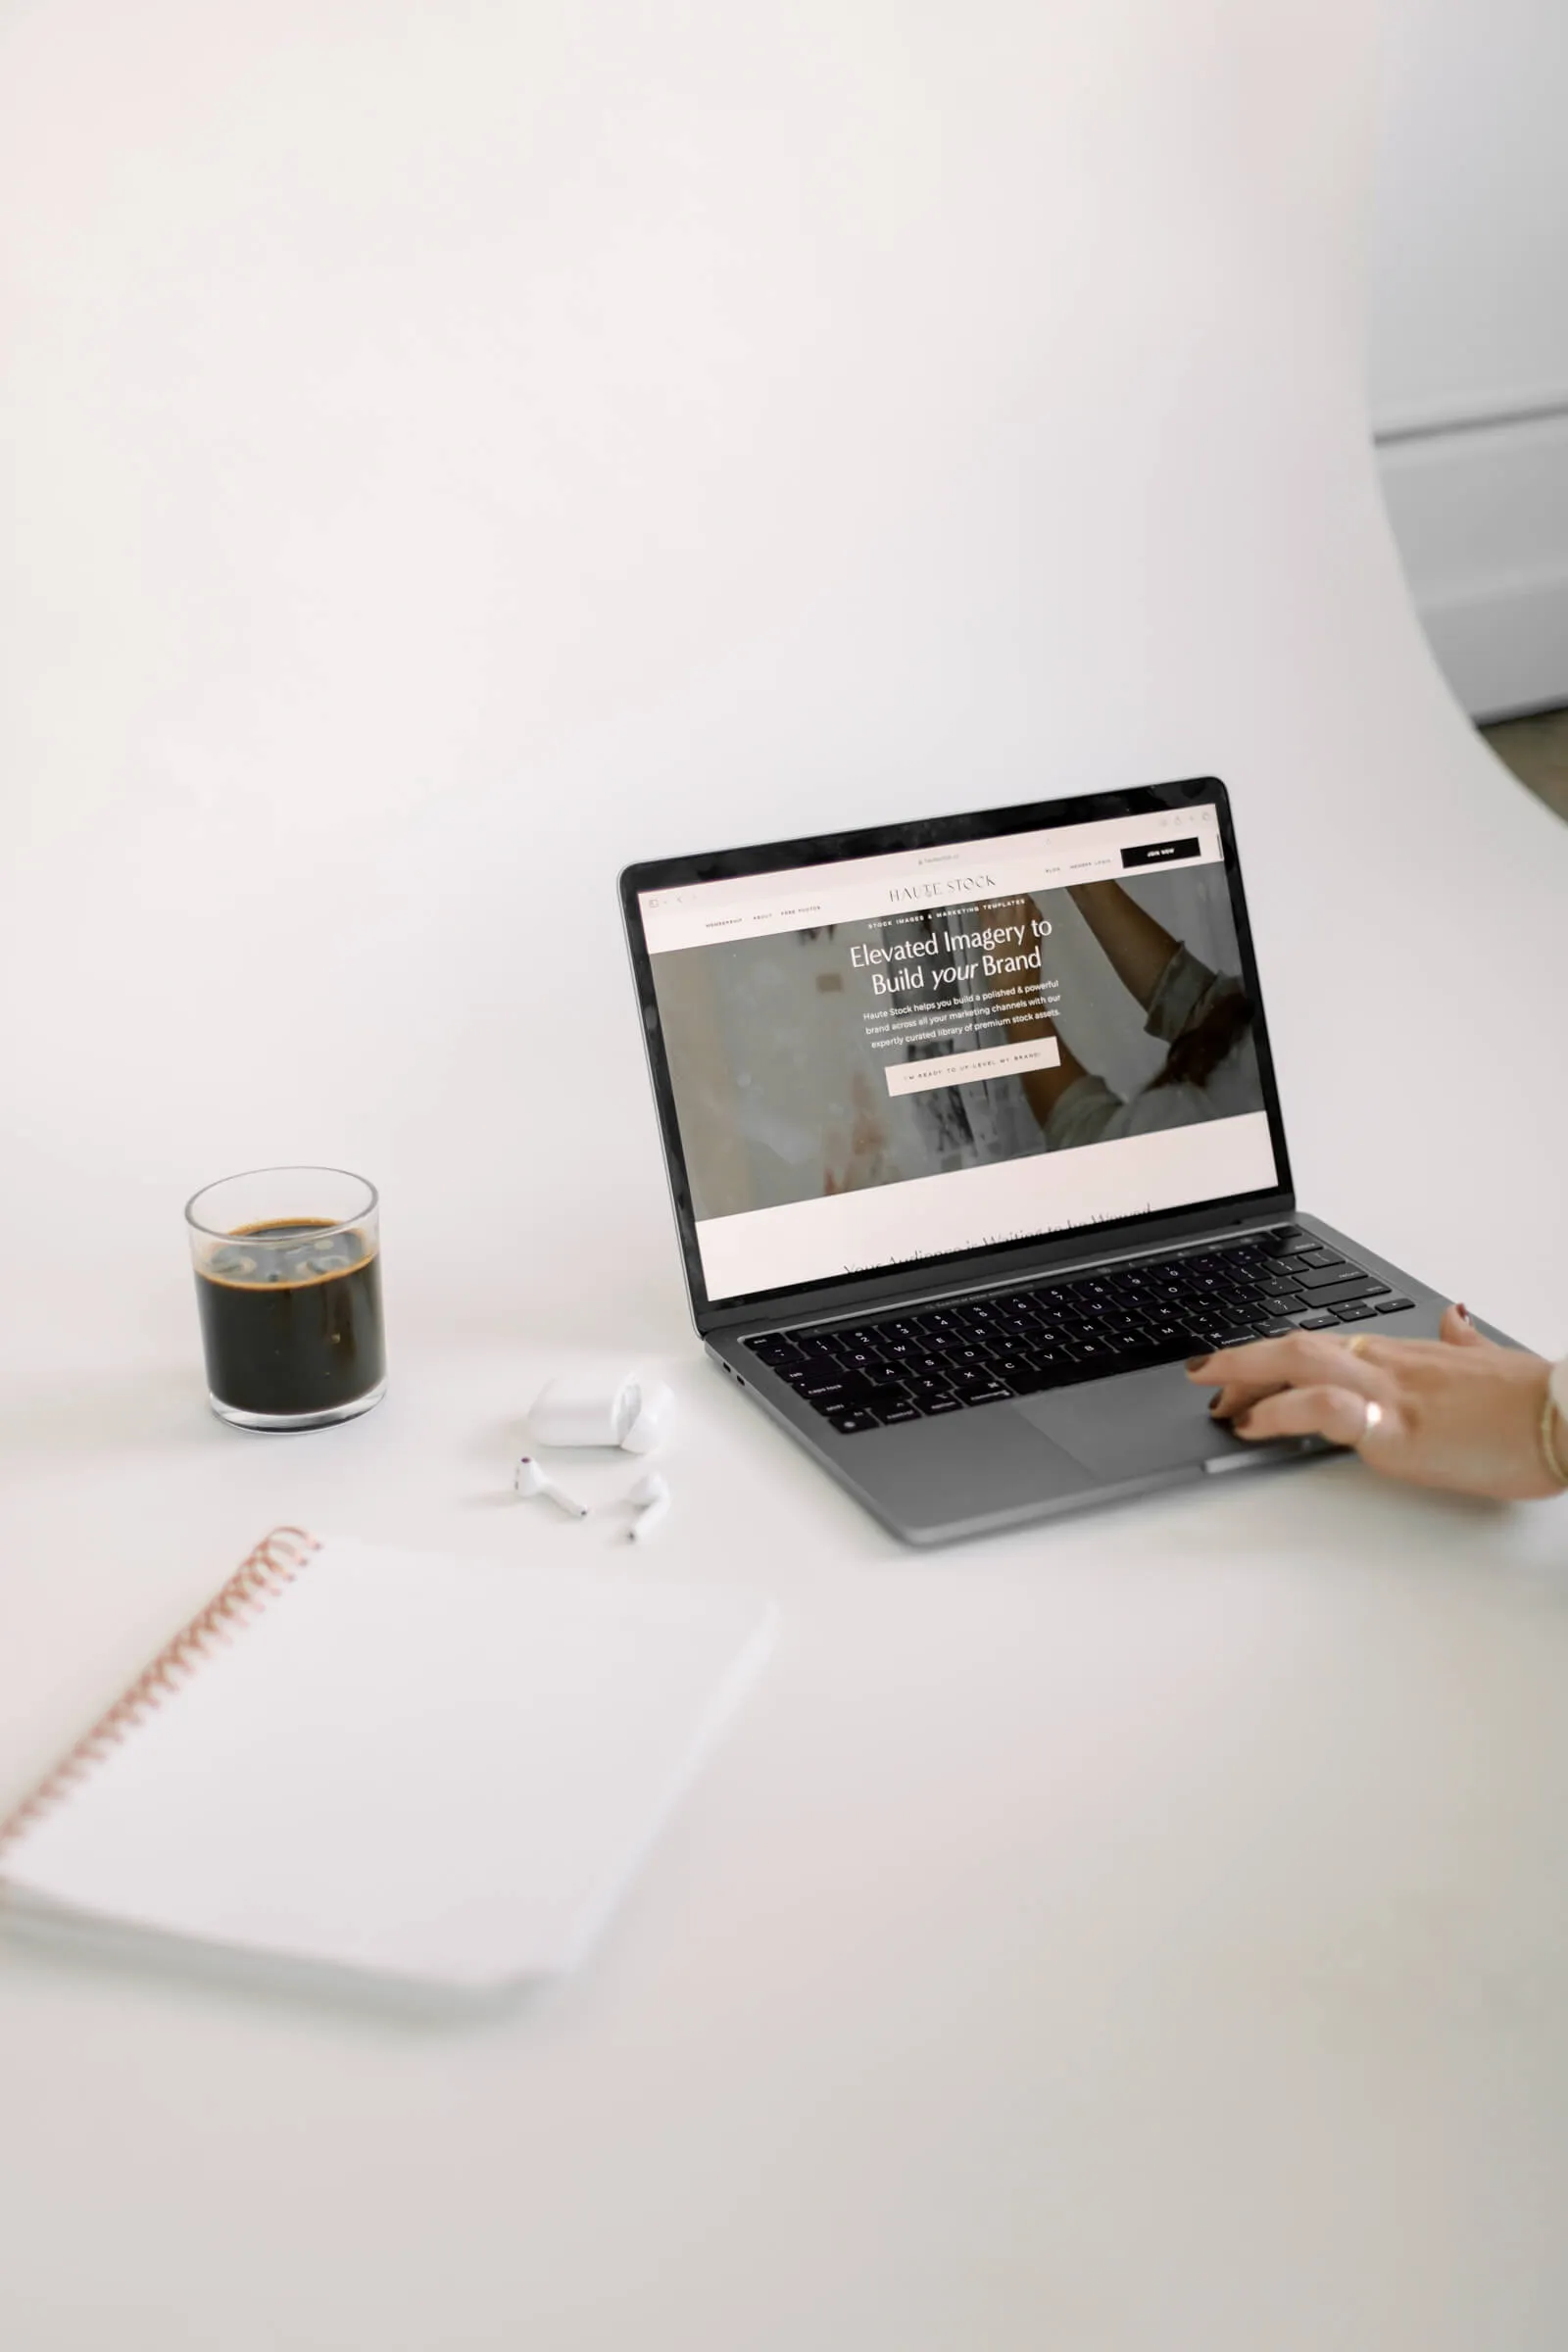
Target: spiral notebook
<point x="433" y="1771"/>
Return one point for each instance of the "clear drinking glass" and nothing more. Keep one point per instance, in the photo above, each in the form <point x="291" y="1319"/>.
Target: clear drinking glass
<point x="288" y="1287"/>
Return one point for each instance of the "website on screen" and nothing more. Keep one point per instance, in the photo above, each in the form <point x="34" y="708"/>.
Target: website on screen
<point x="901" y="1058"/>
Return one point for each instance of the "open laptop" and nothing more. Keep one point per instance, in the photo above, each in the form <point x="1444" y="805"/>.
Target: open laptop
<point x="973" y="1138"/>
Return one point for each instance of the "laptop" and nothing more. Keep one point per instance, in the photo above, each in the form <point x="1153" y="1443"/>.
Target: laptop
<point x="973" y="1138"/>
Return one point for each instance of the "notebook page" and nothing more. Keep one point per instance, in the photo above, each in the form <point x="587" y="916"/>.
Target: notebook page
<point x="443" y="1769"/>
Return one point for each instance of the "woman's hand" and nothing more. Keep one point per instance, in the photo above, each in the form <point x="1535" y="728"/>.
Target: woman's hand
<point x="1457" y="1412"/>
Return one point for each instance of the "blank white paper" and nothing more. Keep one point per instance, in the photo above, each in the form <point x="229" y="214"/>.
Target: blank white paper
<point x="432" y="1768"/>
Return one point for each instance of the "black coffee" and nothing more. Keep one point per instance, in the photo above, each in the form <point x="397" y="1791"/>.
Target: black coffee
<point x="291" y="1318"/>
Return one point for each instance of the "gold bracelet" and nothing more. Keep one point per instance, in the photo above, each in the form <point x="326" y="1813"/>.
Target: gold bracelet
<point x="1549" y="1444"/>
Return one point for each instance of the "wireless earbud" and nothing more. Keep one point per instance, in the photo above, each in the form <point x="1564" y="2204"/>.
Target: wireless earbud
<point x="529" y="1478"/>
<point x="650" y="1498"/>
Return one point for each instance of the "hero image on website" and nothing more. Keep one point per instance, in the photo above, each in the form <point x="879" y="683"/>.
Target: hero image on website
<point x="905" y="1056"/>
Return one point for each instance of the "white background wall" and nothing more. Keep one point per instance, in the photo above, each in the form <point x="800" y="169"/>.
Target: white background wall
<point x="463" y="450"/>
<point x="1468" y="266"/>
<point x="1469" y="321"/>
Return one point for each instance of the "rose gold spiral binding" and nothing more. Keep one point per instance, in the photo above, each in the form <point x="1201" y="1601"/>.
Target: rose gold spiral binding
<point x="275" y="1562"/>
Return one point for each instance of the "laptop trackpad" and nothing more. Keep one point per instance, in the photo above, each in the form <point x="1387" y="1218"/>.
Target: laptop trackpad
<point x="1135" y="1424"/>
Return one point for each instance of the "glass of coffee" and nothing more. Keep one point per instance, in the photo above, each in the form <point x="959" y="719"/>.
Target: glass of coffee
<point x="289" y="1285"/>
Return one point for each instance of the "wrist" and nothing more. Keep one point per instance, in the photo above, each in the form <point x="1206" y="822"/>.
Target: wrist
<point x="1555" y="1423"/>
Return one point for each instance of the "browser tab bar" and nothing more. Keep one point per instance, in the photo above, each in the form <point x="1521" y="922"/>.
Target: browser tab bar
<point x="912" y="882"/>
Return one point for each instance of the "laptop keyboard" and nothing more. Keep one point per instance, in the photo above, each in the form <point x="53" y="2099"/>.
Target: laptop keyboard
<point x="1075" y="1327"/>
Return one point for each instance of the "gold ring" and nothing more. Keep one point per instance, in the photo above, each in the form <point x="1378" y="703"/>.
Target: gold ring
<point x="1356" y="1346"/>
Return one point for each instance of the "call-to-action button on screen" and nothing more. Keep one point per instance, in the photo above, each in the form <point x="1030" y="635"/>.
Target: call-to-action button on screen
<point x="972" y="1070"/>
<point x="1160" y="853"/>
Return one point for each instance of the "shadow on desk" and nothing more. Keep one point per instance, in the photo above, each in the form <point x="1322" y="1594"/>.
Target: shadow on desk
<point x="188" y="1970"/>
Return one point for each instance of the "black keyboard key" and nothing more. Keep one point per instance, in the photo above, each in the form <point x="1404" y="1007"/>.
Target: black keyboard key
<point x="994" y="1395"/>
<point x="1279" y="1331"/>
<point x="1393" y="1306"/>
<point x="1237" y="1336"/>
<point x="1317" y="1322"/>
<point x="850" y="1424"/>
<point x="1340" y="1293"/>
<point x="878" y="1397"/>
<point x="847" y="1389"/>
<point x="944" y="1405"/>
<point x="1283" y="1302"/>
<point x="1355" y="1310"/>
<point x="900" y="1412"/>
<point x="1314" y="1278"/>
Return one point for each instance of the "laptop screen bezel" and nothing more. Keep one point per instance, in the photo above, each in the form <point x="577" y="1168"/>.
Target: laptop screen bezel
<point x="981" y="1265"/>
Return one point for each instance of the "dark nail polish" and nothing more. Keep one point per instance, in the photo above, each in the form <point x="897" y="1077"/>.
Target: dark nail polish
<point x="1214" y="1404"/>
<point x="1195" y="1363"/>
<point x="1462" y="1311"/>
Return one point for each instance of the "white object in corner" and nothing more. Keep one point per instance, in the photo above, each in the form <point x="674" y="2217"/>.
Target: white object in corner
<point x="593" y="1410"/>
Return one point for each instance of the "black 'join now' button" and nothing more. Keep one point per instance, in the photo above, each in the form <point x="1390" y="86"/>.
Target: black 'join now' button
<point x="1159" y="853"/>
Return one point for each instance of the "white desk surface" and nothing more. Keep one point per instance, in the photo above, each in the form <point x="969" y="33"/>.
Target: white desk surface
<point x="461" y="451"/>
<point x="1150" y="1932"/>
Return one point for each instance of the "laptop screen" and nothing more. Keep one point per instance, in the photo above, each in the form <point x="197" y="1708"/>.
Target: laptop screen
<point x="945" y="1047"/>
